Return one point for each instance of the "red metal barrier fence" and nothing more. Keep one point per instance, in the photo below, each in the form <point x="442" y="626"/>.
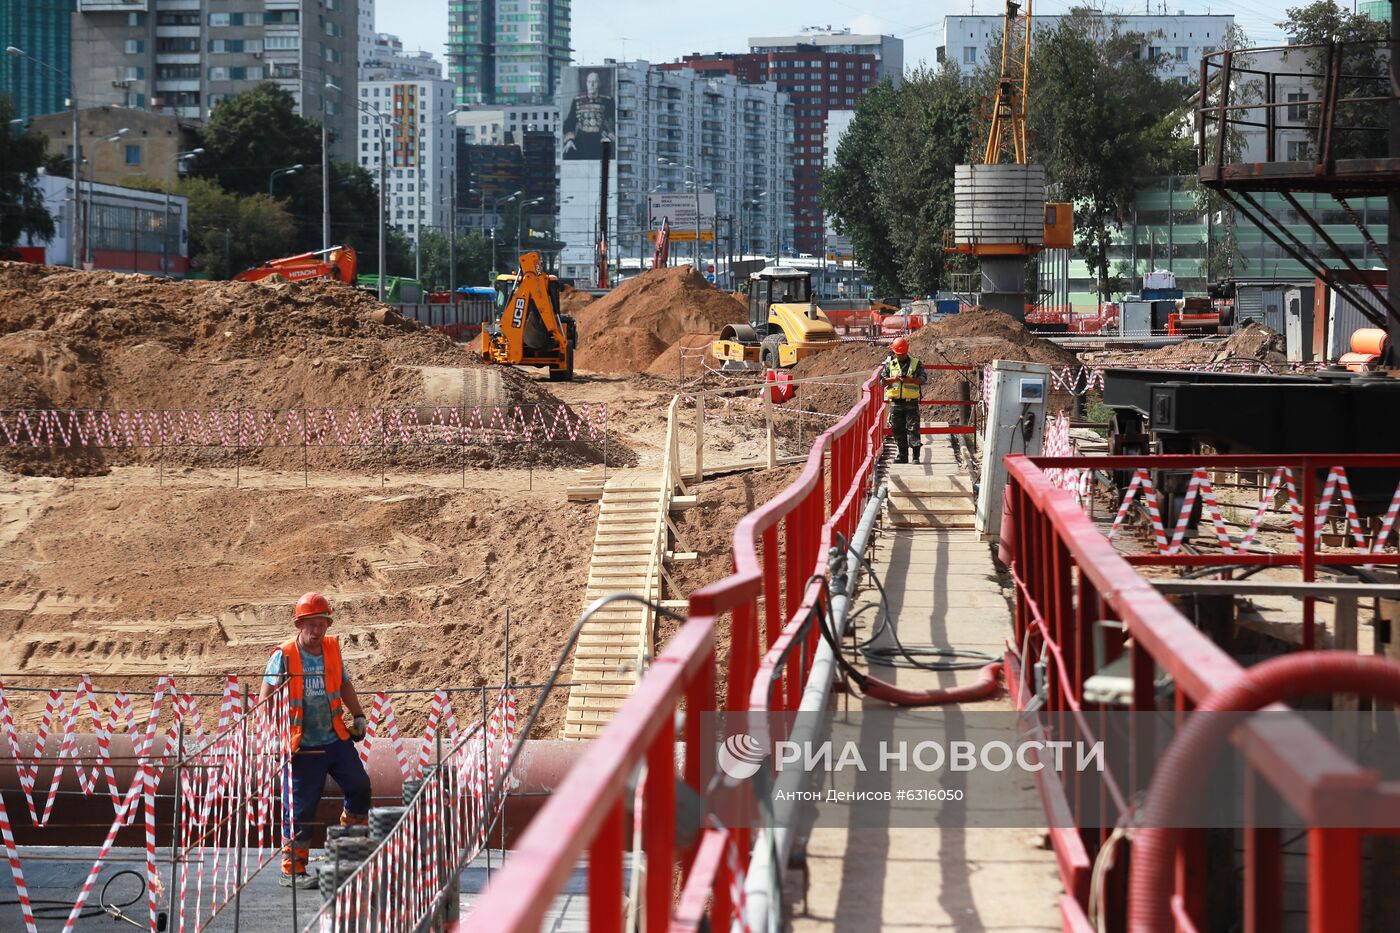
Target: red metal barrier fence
<point x="1322" y="487"/>
<point x="1077" y="595"/>
<point x="777" y="550"/>
<point x="403" y="881"/>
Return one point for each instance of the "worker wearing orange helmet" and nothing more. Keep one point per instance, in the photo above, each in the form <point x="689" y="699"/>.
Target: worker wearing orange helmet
<point x="903" y="378"/>
<point x="319" y="691"/>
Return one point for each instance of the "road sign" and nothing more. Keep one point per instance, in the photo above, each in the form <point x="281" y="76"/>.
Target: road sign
<point x="679" y="208"/>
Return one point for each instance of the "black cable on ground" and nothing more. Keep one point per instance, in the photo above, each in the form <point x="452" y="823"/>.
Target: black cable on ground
<point x="902" y="655"/>
<point x="49" y="909"/>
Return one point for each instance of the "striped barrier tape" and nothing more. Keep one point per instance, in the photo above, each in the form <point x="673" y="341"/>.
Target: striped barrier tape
<point x="234" y="792"/>
<point x="444" y="825"/>
<point x="299" y="427"/>
<point x="382" y="725"/>
<point x="185" y="716"/>
<point x="1337" y="485"/>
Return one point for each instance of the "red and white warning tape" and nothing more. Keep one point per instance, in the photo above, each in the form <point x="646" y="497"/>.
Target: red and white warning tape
<point x="1337" y="485"/>
<point x="300" y="427"/>
<point x="443" y="826"/>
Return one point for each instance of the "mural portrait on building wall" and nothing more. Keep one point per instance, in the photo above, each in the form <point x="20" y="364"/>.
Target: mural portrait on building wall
<point x="590" y="120"/>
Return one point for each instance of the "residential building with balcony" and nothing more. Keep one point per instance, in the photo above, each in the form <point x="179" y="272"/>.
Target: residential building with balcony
<point x="676" y="129"/>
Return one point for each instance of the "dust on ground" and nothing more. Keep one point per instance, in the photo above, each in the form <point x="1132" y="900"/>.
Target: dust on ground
<point x="97" y="340"/>
<point x="1251" y="343"/>
<point x="708" y="529"/>
<point x="133" y="567"/>
<point x="635" y="323"/>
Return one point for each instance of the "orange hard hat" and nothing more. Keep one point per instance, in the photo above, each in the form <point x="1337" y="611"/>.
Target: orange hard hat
<point x="312" y="604"/>
<point x="900" y="346"/>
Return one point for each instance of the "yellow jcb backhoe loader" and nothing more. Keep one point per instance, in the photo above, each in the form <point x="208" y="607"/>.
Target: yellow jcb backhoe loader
<point x="784" y="325"/>
<point x="529" y="329"/>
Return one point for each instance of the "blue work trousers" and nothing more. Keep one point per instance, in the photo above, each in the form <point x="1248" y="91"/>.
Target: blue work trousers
<point x="308" y="780"/>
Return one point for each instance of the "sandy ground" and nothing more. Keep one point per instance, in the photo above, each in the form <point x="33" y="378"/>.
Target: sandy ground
<point x="191" y="571"/>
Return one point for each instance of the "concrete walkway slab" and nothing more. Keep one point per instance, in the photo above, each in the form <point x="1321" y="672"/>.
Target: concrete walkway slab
<point x="943" y="592"/>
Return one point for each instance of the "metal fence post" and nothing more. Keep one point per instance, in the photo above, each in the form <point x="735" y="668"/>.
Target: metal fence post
<point x="175" y="824"/>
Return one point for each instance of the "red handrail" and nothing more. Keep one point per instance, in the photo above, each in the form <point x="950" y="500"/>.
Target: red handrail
<point x="1068" y="579"/>
<point x="586" y="813"/>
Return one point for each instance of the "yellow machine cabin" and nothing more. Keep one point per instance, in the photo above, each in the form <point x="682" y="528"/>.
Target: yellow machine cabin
<point x="529" y="330"/>
<point x="785" y="324"/>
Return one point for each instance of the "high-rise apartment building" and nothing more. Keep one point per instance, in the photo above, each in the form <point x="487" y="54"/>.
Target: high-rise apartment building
<point x="411" y="123"/>
<point x="507" y="51"/>
<point x="41" y="29"/>
<point x="497" y="125"/>
<point x="673" y="132"/>
<point x="821" y="70"/>
<point x="365" y="37"/>
<point x="387" y="61"/>
<point x="1178" y="39"/>
<point x="184" y="56"/>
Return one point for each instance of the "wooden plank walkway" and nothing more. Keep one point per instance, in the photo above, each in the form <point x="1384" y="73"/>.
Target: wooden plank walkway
<point x="944" y="591"/>
<point x="629" y="548"/>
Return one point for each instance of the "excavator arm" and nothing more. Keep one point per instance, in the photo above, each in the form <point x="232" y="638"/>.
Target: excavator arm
<point x="663" y="245"/>
<point x="338" y="262"/>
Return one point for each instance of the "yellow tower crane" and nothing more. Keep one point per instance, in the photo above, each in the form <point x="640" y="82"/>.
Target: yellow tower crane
<point x="1000" y="215"/>
<point x="1007" y="116"/>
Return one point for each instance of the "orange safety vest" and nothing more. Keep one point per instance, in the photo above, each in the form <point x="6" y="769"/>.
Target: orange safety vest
<point x="330" y="654"/>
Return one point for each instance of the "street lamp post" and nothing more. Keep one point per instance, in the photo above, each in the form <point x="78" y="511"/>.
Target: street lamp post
<point x="520" y="222"/>
<point x="326" y="169"/>
<point x="289" y="170"/>
<point x="434" y="125"/>
<point x="15" y="52"/>
<point x="379" y="118"/>
<point x="91" y="193"/>
<point x="495" y="209"/>
<point x="180" y="158"/>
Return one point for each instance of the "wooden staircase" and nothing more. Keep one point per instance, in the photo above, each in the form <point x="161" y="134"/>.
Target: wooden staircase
<point x="632" y="548"/>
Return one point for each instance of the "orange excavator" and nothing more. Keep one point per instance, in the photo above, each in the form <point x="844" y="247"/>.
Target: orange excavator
<point x="529" y="329"/>
<point x="336" y="263"/>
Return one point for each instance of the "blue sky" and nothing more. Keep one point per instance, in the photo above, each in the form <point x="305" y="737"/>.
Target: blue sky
<point x="664" y="30"/>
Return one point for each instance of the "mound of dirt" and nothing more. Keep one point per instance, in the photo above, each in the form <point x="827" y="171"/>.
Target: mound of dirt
<point x="973" y="338"/>
<point x="573" y="300"/>
<point x="689" y="348"/>
<point x="662" y="304"/>
<point x="420" y="580"/>
<point x="97" y="340"/>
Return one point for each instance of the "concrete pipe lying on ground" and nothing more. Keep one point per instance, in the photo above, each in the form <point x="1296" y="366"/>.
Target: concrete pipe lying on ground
<point x="79" y="819"/>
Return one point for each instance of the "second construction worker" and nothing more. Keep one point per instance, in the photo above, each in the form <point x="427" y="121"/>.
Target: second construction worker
<point x="319" y="692"/>
<point x="903" y="378"/>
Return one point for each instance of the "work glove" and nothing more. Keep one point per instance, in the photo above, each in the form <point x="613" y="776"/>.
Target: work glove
<point x="357" y="729"/>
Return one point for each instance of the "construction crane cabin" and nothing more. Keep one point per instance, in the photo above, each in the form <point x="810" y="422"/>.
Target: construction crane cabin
<point x="999" y="210"/>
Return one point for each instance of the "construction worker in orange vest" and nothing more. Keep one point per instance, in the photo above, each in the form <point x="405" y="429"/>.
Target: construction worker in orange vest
<point x="903" y="378"/>
<point x="318" y="691"/>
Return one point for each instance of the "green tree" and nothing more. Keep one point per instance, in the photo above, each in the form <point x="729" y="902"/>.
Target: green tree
<point x="915" y="177"/>
<point x="229" y="233"/>
<point x="1362" y="72"/>
<point x="252" y="134"/>
<point x="473" y="253"/>
<point x="21" y="157"/>
<point x="849" y="185"/>
<point x="1100" y="118"/>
